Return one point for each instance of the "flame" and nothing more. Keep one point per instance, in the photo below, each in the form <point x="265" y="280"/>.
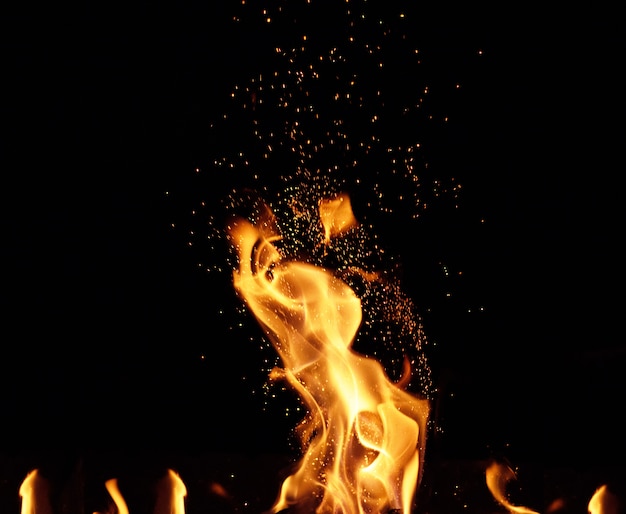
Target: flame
<point x="112" y="486"/>
<point x="364" y="436"/>
<point x="336" y="216"/>
<point x="171" y="493"/>
<point x="34" y="492"/>
<point x="603" y="501"/>
<point x="498" y="477"/>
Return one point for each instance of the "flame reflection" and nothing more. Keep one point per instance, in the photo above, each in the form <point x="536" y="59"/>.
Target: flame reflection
<point x="363" y="438"/>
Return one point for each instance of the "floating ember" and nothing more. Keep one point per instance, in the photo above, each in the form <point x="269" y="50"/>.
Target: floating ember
<point x="363" y="439"/>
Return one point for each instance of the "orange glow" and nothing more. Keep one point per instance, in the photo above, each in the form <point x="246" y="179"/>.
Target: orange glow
<point x="556" y="505"/>
<point x="219" y="490"/>
<point x="34" y="492"/>
<point x="498" y="477"/>
<point x="363" y="439"/>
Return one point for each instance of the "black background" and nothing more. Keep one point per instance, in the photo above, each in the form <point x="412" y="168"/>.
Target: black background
<point x="105" y="313"/>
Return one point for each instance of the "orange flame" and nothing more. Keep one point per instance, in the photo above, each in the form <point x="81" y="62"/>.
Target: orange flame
<point x="603" y="501"/>
<point x="34" y="492"/>
<point x="336" y="215"/>
<point x="118" y="499"/>
<point x="171" y="493"/>
<point x="498" y="477"/>
<point x="364" y="436"/>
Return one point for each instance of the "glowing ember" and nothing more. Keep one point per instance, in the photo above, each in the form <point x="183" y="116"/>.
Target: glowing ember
<point x="363" y="439"/>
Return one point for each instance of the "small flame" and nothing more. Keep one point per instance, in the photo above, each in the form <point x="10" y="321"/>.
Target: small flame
<point x="364" y="435"/>
<point x="112" y="486"/>
<point x="171" y="493"/>
<point x="603" y="501"/>
<point x="34" y="492"/>
<point x="336" y="215"/>
<point x="498" y="477"/>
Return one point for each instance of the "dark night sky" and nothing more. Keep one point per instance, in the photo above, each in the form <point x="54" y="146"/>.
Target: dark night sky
<point x="105" y="312"/>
